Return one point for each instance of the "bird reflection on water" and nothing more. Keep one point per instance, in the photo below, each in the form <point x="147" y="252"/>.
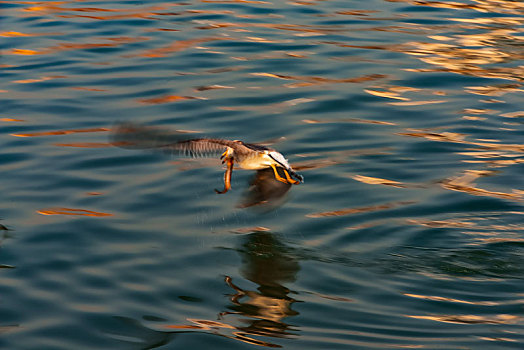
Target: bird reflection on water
<point x="274" y="175"/>
<point x="267" y="262"/>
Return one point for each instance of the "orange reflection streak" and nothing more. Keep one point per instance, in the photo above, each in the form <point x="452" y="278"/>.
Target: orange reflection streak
<point x="494" y="41"/>
<point x="465" y="184"/>
<point x="316" y="164"/>
<point x="347" y="120"/>
<point x="494" y="90"/>
<point x="143" y="15"/>
<point x="208" y="324"/>
<point x="60" y="132"/>
<point x="471" y="319"/>
<point x="236" y="1"/>
<point x="166" y="99"/>
<point x="69" y="211"/>
<point x="212" y="87"/>
<point x="84" y="144"/>
<point x="113" y="42"/>
<point x="441" y="223"/>
<point x="54" y="7"/>
<point x="416" y="103"/>
<point x="335" y="298"/>
<point x="302" y="30"/>
<point x="498" y="339"/>
<point x="451" y="300"/>
<point x="387" y="94"/>
<point x="321" y="80"/>
<point x="273" y="106"/>
<point x="243" y="230"/>
<point x="177" y="46"/>
<point x="517" y="114"/>
<point x="87" y="89"/>
<point x="356" y="12"/>
<point x="498" y="240"/>
<point x="478" y="111"/>
<point x="24" y="52"/>
<point x="377" y="181"/>
<point x="13" y="34"/>
<point x="37" y="80"/>
<point x="220" y="328"/>
<point x="11" y="120"/>
<point x="350" y="211"/>
<point x="467" y="117"/>
<point x="460" y="138"/>
<point x="496" y="6"/>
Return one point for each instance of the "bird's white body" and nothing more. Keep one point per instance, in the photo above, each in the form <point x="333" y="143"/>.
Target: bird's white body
<point x="263" y="160"/>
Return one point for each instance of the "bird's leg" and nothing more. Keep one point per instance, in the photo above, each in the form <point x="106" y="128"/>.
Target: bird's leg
<point x="277" y="176"/>
<point x="289" y="179"/>
<point x="227" y="176"/>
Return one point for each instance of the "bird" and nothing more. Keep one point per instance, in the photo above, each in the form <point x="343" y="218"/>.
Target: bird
<point x="232" y="152"/>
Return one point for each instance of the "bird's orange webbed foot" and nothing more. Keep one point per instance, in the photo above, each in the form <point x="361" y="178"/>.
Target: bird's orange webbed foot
<point x="280" y="178"/>
<point x="289" y="179"/>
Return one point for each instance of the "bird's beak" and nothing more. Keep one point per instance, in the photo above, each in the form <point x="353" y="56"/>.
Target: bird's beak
<point x="295" y="175"/>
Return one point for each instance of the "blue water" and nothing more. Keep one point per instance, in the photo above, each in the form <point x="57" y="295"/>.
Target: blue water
<point x="405" y="118"/>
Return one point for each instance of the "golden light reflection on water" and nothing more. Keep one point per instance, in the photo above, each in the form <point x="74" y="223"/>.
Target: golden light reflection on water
<point x="494" y="90"/>
<point x="269" y="108"/>
<point x="486" y="152"/>
<point x="166" y="99"/>
<point x="71" y="211"/>
<point x="314" y="80"/>
<point x="416" y="103"/>
<point x="11" y="120"/>
<point x="84" y="144"/>
<point x="483" y="230"/>
<point x="12" y="34"/>
<point x="464" y="183"/>
<point x="350" y="211"/>
<point x="176" y="46"/>
<point x="496" y="6"/>
<point x="377" y="181"/>
<point x="451" y="300"/>
<point x="60" y="132"/>
<point x="348" y="120"/>
<point x="24" y="52"/>
<point x="37" y="80"/>
<point x="471" y="319"/>
<point x="67" y="46"/>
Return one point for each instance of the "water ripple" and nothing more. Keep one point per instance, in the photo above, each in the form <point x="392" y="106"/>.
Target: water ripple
<point x="405" y="117"/>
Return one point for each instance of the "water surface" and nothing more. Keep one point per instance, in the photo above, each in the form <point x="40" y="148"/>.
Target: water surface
<point x="405" y="118"/>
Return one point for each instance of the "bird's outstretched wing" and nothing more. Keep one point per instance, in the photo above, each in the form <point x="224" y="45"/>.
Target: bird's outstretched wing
<point x="135" y="136"/>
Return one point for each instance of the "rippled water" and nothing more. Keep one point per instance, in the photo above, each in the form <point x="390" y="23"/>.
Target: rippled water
<point x="404" y="116"/>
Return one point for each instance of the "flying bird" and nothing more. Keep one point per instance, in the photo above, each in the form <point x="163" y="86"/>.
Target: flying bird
<point x="244" y="155"/>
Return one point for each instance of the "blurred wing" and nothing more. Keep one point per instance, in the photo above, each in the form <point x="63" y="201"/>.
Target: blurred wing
<point x="135" y="136"/>
<point x="199" y="147"/>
